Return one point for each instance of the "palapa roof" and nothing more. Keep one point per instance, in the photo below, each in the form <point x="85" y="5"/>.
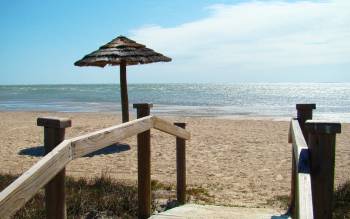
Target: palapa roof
<point x="119" y="50"/>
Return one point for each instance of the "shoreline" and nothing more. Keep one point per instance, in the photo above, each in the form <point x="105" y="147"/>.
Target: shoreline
<point x="239" y="162"/>
<point x="172" y="116"/>
<point x="175" y="116"/>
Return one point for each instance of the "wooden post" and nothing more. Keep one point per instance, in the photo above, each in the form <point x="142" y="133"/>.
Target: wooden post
<point x="144" y="164"/>
<point x="304" y="112"/>
<point x="322" y="136"/>
<point x="54" y="131"/>
<point x="124" y="93"/>
<point x="181" y="167"/>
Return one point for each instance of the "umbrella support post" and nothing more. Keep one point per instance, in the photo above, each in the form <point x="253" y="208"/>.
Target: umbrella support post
<point x="124" y="93"/>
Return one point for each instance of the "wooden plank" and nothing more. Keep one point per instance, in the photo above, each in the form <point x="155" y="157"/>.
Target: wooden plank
<point x="196" y="211"/>
<point x="169" y="128"/>
<point x="304" y="196"/>
<point x="297" y="135"/>
<point x="291" y="208"/>
<point x="13" y="197"/>
<point x="304" y="203"/>
<point x="94" y="141"/>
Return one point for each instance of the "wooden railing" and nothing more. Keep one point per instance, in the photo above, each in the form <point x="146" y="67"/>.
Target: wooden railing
<point x="13" y="197"/>
<point x="313" y="152"/>
<point x="301" y="171"/>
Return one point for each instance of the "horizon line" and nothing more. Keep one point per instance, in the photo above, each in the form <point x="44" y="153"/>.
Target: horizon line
<point x="135" y="83"/>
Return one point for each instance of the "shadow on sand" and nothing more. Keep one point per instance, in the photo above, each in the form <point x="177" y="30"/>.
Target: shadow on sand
<point x="39" y="151"/>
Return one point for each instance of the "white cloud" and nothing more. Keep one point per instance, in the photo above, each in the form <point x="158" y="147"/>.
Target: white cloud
<point x="256" y="36"/>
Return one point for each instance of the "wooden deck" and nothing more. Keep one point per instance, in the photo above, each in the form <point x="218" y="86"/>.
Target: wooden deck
<point x="193" y="211"/>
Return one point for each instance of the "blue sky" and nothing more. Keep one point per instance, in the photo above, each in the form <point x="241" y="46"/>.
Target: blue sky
<point x="209" y="41"/>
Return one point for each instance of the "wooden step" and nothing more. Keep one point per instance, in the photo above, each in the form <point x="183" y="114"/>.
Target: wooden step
<point x="193" y="211"/>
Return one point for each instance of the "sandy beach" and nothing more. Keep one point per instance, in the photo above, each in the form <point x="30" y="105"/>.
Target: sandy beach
<point x="243" y="162"/>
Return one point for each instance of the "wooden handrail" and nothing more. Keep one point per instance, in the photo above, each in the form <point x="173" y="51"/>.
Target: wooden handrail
<point x="13" y="197"/>
<point x="169" y="128"/>
<point x="303" y="201"/>
<point x="304" y="113"/>
<point x="94" y="141"/>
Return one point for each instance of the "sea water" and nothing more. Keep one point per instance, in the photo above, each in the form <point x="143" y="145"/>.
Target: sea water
<point x="273" y="100"/>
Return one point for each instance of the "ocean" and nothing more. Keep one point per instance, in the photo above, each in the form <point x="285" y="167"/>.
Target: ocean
<point x="270" y="100"/>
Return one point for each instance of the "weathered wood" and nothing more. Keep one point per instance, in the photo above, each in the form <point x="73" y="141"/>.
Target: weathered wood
<point x="169" y="128"/>
<point x="144" y="165"/>
<point x="304" y="196"/>
<point x="20" y="191"/>
<point x="301" y="159"/>
<point x="54" y="122"/>
<point x="304" y="113"/>
<point x="196" y="211"/>
<point x="322" y="137"/>
<point x="54" y="131"/>
<point x="290" y="140"/>
<point x="291" y="207"/>
<point x="181" y="166"/>
<point x="13" y="197"/>
<point x="124" y="93"/>
<point x="93" y="141"/>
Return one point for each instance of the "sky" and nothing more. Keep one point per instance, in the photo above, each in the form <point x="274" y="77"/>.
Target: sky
<point x="209" y="41"/>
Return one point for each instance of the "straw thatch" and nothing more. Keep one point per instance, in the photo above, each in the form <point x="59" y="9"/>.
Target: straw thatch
<point x="121" y="50"/>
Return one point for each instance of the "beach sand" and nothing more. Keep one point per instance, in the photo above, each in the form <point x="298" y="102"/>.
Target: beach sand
<point x="243" y="162"/>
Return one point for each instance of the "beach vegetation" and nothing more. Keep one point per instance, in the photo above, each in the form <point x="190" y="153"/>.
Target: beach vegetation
<point x="86" y="198"/>
<point x="105" y="197"/>
<point x="341" y="200"/>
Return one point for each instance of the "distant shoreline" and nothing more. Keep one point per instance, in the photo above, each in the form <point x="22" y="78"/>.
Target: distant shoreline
<point x="173" y="116"/>
<point x="175" y="83"/>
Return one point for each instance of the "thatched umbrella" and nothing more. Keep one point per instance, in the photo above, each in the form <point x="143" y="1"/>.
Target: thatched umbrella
<point x="122" y="51"/>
